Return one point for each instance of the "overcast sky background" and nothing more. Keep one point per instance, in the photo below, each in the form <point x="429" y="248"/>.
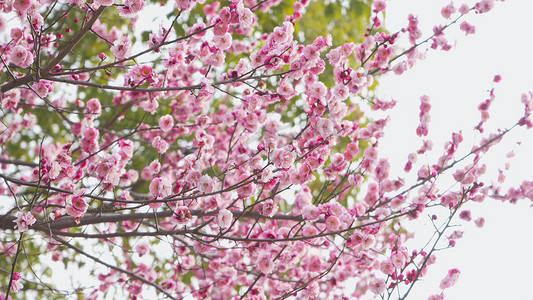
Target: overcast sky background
<point x="495" y="261"/>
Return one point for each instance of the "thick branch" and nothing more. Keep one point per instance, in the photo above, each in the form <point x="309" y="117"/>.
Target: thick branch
<point x="7" y="222"/>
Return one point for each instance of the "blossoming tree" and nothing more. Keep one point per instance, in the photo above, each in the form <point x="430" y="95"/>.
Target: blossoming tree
<point x="225" y="155"/>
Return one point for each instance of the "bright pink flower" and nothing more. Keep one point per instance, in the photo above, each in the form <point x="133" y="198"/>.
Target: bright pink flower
<point x="120" y="47"/>
<point x="105" y="2"/>
<point x="24" y="220"/>
<point x="450" y="279"/>
<point x="377" y="285"/>
<point x="3" y="24"/>
<point x="386" y="267"/>
<point x="480" y="222"/>
<point x="464" y="9"/>
<point x="166" y="123"/>
<point x="332" y="223"/>
<point x="21" y="57"/>
<point x="77" y="207"/>
<point x="22" y="5"/>
<point x="16" y="284"/>
<point x="398" y="259"/>
<point x="310" y="212"/>
<point x="224" y="218"/>
<point x="325" y="127"/>
<point x="340" y="91"/>
<point x="467" y="28"/>
<point x="142" y="248"/>
<point x="94" y="106"/>
<point x="205" y="184"/>
<point x="160" y="187"/>
<point x="132" y="6"/>
<point x="379" y="5"/>
<point x="484" y="6"/>
<point x="448" y="10"/>
<point x="223" y="42"/>
<point x="265" y="263"/>
<point x="318" y="90"/>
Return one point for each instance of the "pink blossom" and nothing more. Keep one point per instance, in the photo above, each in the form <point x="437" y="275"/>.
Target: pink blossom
<point x="166" y="123"/>
<point x="105" y="2"/>
<point x="3" y="24"/>
<point x="160" y="187"/>
<point x="224" y="218"/>
<point x="484" y="6"/>
<point x="310" y="212"/>
<point x="398" y="259"/>
<point x="386" y="267"/>
<point x="377" y="285"/>
<point x="142" y="248"/>
<point x="467" y="28"/>
<point x="448" y="10"/>
<point x="132" y="6"/>
<point x="205" y="184"/>
<point x="480" y="222"/>
<point x="464" y="9"/>
<point x="223" y="42"/>
<point x="77" y="207"/>
<point x="182" y="215"/>
<point x="340" y="91"/>
<point x="16" y="284"/>
<point x="43" y="87"/>
<point x="379" y="5"/>
<point x="283" y="158"/>
<point x="120" y="47"/>
<point x="94" y="106"/>
<point x="332" y="223"/>
<point x="265" y="263"/>
<point x="450" y="279"/>
<point x="22" y="5"/>
<point x="325" y="127"/>
<point x="318" y="90"/>
<point x="24" y="220"/>
<point x="21" y="57"/>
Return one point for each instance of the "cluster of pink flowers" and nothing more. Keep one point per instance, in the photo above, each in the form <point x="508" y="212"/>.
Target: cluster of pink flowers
<point x="254" y="154"/>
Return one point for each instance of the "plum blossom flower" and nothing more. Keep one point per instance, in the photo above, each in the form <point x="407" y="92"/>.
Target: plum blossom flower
<point x="318" y="90"/>
<point x="77" y="207"/>
<point x="265" y="263"/>
<point x="467" y="28"/>
<point x="94" y="106"/>
<point x="224" y="218"/>
<point x="22" y="5"/>
<point x="43" y="87"/>
<point x="16" y="285"/>
<point x="448" y="10"/>
<point x="377" y="285"/>
<point x="121" y="48"/>
<point x="21" y="57"/>
<point x="105" y="2"/>
<point x="24" y="220"/>
<point x="223" y="42"/>
<point x="160" y="187"/>
<point x="142" y="248"/>
<point x="205" y="184"/>
<point x="325" y="127"/>
<point x="379" y="5"/>
<point x="450" y="279"/>
<point x="166" y="123"/>
<point x="131" y="7"/>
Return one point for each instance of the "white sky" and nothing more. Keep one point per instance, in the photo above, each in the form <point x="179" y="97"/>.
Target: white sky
<point x="495" y="261"/>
